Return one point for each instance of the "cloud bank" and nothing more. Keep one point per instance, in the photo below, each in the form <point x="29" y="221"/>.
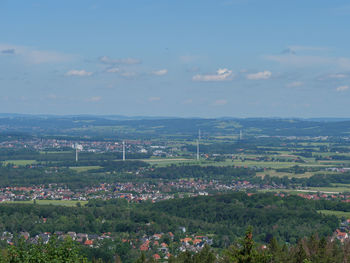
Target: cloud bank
<point x="79" y="73"/>
<point x="259" y="75"/>
<point x="221" y="75"/>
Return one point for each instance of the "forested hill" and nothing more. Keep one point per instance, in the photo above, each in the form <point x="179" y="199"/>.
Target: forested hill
<point x="224" y="217"/>
<point x="287" y="219"/>
<point x="141" y="128"/>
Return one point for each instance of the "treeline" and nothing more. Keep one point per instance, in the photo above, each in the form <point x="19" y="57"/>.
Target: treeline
<point x="317" y="180"/>
<point x="197" y="171"/>
<point x="225" y="216"/>
<point x="61" y="174"/>
<point x="54" y="251"/>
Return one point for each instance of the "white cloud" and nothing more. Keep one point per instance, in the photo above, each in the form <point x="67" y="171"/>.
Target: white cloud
<point x="154" y="98"/>
<point x="113" y="70"/>
<point x="294" y="84"/>
<point x="342" y="88"/>
<point x="79" y="73"/>
<point x="94" y="99"/>
<point x="221" y="75"/>
<point x="34" y="56"/>
<point x="160" y="72"/>
<point x="259" y="75"/>
<point x="121" y="72"/>
<point x="125" y="61"/>
<point x="338" y="76"/>
<point x="220" y="102"/>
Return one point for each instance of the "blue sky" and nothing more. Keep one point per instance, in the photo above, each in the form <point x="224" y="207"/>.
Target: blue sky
<point x="204" y="58"/>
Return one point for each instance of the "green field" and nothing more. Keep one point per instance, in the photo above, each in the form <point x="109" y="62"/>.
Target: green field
<point x="20" y="162"/>
<point x="50" y="202"/>
<point x="340" y="189"/>
<point x="274" y="173"/>
<point x="164" y="162"/>
<point x="339" y="214"/>
<point x="80" y="169"/>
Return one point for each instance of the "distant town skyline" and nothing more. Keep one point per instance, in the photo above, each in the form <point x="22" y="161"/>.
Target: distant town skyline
<point x="200" y="58"/>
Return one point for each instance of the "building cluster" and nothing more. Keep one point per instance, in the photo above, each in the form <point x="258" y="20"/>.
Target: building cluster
<point x="160" y="248"/>
<point x="131" y="191"/>
<point x="157" y="244"/>
<point x="90" y="240"/>
<point x="320" y="196"/>
<point x="46" y="144"/>
<point x="342" y="233"/>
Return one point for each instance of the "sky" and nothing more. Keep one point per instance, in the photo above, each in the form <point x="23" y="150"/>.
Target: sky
<point x="183" y="58"/>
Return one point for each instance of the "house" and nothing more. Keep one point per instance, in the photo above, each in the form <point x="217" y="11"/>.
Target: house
<point x="342" y="236"/>
<point x="157" y="236"/>
<point x="43" y="238"/>
<point x="197" y="241"/>
<point x="92" y="236"/>
<point x="58" y="233"/>
<point x="156" y="256"/>
<point x="186" y="240"/>
<point x="145" y="246"/>
<point x="89" y="243"/>
<point x="183" y="229"/>
<point x="73" y="235"/>
<point x="25" y="235"/>
<point x="82" y="235"/>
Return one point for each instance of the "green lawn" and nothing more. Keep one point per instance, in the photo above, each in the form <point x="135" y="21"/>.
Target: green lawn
<point x="274" y="173"/>
<point x="336" y="213"/>
<point x="20" y="162"/>
<point x="340" y="189"/>
<point x="80" y="169"/>
<point x="50" y="202"/>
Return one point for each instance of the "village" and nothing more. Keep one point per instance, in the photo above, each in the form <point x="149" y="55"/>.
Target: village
<point x="131" y="191"/>
<point x="159" y="245"/>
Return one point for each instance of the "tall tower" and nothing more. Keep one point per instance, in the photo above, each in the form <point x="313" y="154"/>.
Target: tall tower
<point x="197" y="150"/>
<point x="199" y="137"/>
<point x="78" y="147"/>
<point x="123" y="150"/>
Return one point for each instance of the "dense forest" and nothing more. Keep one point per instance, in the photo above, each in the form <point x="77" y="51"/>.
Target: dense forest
<point x="225" y="217"/>
<point x="244" y="250"/>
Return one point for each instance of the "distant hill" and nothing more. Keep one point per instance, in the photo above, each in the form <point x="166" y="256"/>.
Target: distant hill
<point x="139" y="127"/>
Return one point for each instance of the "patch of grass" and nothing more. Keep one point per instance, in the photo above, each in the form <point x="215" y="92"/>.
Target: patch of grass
<point x="339" y="214"/>
<point x="20" y="162"/>
<point x="274" y="173"/>
<point x="80" y="169"/>
<point x="330" y="189"/>
<point x="55" y="152"/>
